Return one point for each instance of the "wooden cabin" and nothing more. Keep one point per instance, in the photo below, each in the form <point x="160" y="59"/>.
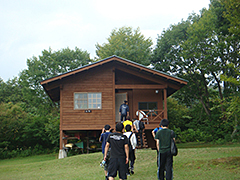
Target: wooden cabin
<point x="90" y="97"/>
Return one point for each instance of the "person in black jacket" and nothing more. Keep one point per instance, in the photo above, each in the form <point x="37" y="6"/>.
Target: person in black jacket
<point x="119" y="154"/>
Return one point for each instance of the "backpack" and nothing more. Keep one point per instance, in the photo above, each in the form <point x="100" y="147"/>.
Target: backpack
<point x="174" y="149"/>
<point x="141" y="125"/>
<point x="129" y="143"/>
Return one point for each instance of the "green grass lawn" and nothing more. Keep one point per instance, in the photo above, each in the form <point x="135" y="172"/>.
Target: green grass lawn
<point x="222" y="162"/>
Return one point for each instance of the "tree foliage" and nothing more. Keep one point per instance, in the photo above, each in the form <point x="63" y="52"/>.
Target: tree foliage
<point x="47" y="65"/>
<point x="28" y="118"/>
<point x="10" y="91"/>
<point x="200" y="50"/>
<point x="232" y="13"/>
<point x="127" y="43"/>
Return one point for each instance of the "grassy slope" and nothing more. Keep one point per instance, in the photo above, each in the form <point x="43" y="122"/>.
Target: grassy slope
<point x="191" y="163"/>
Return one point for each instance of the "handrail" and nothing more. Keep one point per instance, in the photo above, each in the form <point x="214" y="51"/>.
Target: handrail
<point x="152" y="116"/>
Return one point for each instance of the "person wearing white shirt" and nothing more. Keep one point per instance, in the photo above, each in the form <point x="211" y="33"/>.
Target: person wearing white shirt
<point x="133" y="140"/>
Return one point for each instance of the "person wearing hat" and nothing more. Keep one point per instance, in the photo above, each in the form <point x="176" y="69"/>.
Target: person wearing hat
<point x="124" y="111"/>
<point x="104" y="135"/>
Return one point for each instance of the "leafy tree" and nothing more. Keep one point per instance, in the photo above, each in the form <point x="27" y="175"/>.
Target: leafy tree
<point x="10" y="91"/>
<point x="20" y="130"/>
<point x="52" y="129"/>
<point x="167" y="54"/>
<point x="172" y="56"/>
<point x="233" y="111"/>
<point x="232" y="13"/>
<point x="48" y="65"/>
<point x="178" y="114"/>
<point x="127" y="43"/>
<point x="13" y="119"/>
<point x="198" y="50"/>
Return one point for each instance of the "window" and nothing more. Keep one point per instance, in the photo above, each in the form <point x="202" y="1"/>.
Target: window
<point x="147" y="106"/>
<point x="87" y="100"/>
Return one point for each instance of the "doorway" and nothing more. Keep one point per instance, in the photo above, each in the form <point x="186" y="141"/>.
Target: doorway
<point x="119" y="99"/>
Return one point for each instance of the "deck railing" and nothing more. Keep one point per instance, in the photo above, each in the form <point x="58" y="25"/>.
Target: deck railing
<point x="152" y="116"/>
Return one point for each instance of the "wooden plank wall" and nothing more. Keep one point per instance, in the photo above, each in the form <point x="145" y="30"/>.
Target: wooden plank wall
<point x="149" y="96"/>
<point x="93" y="80"/>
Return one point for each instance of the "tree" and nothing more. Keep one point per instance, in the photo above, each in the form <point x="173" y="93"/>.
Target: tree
<point x="198" y="50"/>
<point x="127" y="43"/>
<point x="10" y="91"/>
<point x="233" y="104"/>
<point x="167" y="54"/>
<point x="232" y="13"/>
<point x="168" y="57"/>
<point x="13" y="119"/>
<point x="48" y="65"/>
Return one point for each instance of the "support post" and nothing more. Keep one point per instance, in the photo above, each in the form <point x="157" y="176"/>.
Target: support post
<point x="165" y="103"/>
<point x="62" y="152"/>
<point x="114" y="99"/>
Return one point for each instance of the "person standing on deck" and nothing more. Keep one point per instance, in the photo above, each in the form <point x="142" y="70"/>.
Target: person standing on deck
<point x="124" y="111"/>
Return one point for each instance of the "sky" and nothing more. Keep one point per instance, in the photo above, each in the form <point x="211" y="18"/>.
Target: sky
<point x="27" y="27"/>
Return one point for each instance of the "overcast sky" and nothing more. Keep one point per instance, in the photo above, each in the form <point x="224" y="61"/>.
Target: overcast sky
<point x="27" y="27"/>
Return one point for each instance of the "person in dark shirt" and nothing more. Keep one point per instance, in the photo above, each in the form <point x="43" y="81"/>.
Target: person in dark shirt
<point x="163" y="138"/>
<point x="103" y="139"/>
<point x="119" y="154"/>
<point x="154" y="132"/>
<point x="124" y="111"/>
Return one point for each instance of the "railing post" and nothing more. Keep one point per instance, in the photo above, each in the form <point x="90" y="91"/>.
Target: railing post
<point x="165" y="103"/>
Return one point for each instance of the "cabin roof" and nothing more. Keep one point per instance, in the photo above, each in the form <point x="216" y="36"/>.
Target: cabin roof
<point x="52" y="91"/>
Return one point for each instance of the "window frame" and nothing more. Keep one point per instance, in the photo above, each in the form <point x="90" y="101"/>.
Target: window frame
<point x="88" y="100"/>
<point x="148" y="107"/>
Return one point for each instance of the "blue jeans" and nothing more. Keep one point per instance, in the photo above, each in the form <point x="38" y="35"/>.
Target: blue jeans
<point x="165" y="161"/>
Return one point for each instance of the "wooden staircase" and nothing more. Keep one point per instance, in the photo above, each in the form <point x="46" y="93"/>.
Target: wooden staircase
<point x="145" y="144"/>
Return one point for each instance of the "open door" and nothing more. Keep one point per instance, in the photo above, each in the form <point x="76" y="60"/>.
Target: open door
<point x="119" y="99"/>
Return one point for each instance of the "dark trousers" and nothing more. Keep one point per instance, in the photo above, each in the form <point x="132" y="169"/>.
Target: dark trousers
<point x="165" y="161"/>
<point x="132" y="158"/>
<point x="123" y="118"/>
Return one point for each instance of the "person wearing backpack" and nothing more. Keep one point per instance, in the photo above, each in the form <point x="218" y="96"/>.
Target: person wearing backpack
<point x="119" y="154"/>
<point x="165" y="161"/>
<point x="139" y="127"/>
<point x="124" y="111"/>
<point x="132" y="143"/>
<point x="103" y="138"/>
<point x="154" y="132"/>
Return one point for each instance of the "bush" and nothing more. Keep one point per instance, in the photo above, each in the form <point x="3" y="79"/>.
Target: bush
<point x="20" y="152"/>
<point x="191" y="135"/>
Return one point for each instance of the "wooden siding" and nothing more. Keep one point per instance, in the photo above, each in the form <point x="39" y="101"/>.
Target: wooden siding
<point x="93" y="80"/>
<point x="146" y="96"/>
